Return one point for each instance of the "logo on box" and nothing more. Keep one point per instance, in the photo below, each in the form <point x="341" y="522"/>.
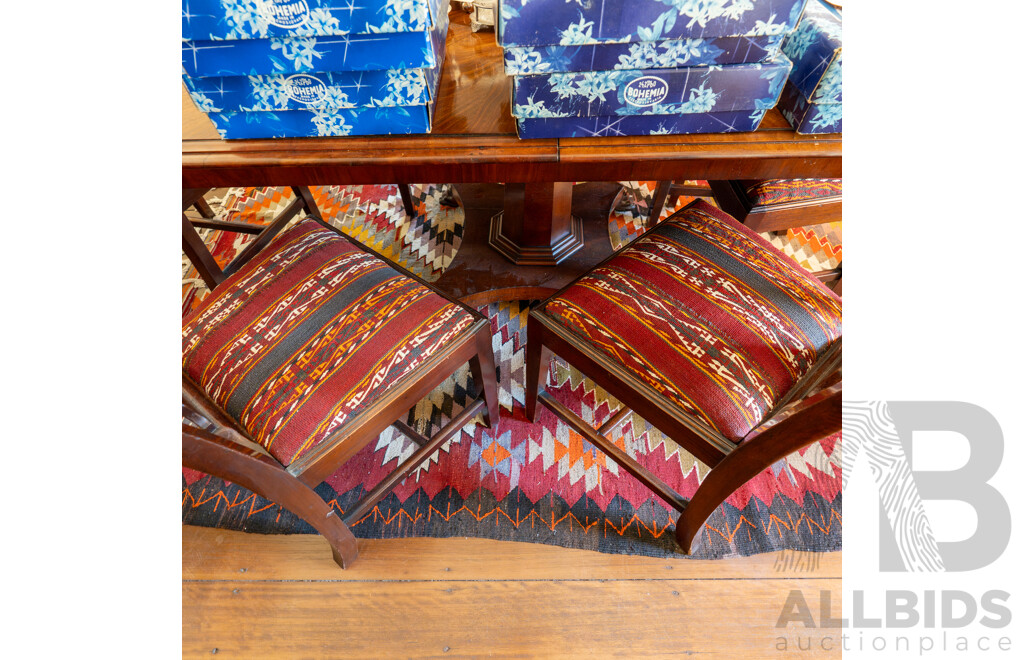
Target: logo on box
<point x="305" y="89"/>
<point x="284" y="13"/>
<point x="645" y="91"/>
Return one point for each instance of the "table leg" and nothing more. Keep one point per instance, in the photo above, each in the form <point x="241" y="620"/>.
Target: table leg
<point x="536" y="226"/>
<point x="480" y="275"/>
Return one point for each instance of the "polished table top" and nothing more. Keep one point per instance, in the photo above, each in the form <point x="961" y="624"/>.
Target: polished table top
<point x="474" y="140"/>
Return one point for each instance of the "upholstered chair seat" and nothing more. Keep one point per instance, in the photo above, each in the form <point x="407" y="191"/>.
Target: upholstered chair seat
<point x="307" y="352"/>
<point x="703" y="328"/>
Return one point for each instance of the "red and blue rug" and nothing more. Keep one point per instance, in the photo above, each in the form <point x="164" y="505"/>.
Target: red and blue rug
<point x="535" y="482"/>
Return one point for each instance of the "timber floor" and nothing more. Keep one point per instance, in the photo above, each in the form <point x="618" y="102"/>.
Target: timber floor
<point x="256" y="596"/>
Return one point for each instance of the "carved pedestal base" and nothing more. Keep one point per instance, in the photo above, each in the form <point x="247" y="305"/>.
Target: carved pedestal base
<point x="536" y="255"/>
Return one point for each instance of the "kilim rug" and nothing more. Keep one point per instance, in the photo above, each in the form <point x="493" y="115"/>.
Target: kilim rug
<point x="539" y="482"/>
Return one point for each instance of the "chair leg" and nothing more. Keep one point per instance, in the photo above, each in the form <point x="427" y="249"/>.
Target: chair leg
<point x="308" y="201"/>
<point x="658" y="203"/>
<point x="204" y="208"/>
<point x="537" y="360"/>
<point x="485" y="376"/>
<point x="818" y="416"/>
<point x="410" y="209"/>
<point x="206" y="452"/>
<point x="197" y="252"/>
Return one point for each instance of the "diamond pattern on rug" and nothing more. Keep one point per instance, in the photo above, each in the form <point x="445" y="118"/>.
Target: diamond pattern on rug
<point x="816" y="248"/>
<point x="536" y="482"/>
<point x="625" y="225"/>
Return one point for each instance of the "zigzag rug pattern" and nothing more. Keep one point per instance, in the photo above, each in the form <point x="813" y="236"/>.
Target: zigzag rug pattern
<point x="538" y="482"/>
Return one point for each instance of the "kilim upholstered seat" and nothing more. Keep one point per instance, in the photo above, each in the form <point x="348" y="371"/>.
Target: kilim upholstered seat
<point x="701" y="326"/>
<point x="765" y="192"/>
<point x="777" y="204"/>
<point x="314" y="347"/>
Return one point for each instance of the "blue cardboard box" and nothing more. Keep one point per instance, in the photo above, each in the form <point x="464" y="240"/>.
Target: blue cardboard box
<point x="302" y="91"/>
<point x="326" y="122"/>
<point x="701" y="122"/>
<point x="364" y="51"/>
<point x="816" y="48"/>
<point x="579" y="22"/>
<point x="685" y="90"/>
<point x="320" y="105"/>
<point x="669" y="53"/>
<point x="209" y="20"/>
<point x="807" y="117"/>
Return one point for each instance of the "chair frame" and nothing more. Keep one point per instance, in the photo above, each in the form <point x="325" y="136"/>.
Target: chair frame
<point x="733" y="199"/>
<point x="809" y="412"/>
<point x="214" y="443"/>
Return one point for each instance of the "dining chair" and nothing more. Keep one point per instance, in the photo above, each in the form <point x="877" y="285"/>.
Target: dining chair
<point x="305" y="353"/>
<point x="777" y="204"/>
<point x="194" y="248"/>
<point x="667" y="193"/>
<point x="709" y="333"/>
<point x="767" y="205"/>
<point x="447" y="198"/>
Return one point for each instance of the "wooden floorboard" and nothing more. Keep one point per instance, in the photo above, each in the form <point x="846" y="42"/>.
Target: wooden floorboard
<point x="257" y="596"/>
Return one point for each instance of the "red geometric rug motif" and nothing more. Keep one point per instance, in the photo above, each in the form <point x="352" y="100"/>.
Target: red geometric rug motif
<point x="537" y="482"/>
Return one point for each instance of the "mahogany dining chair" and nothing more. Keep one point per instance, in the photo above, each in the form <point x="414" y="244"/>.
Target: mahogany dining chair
<point x="709" y="333"/>
<point x="304" y="353"/>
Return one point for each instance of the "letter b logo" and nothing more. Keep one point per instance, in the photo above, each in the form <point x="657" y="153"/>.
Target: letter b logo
<point x="883" y="430"/>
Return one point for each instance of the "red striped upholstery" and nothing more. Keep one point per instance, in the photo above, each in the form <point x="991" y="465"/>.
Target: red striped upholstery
<point x="780" y="191"/>
<point x="300" y="339"/>
<point x="706" y="313"/>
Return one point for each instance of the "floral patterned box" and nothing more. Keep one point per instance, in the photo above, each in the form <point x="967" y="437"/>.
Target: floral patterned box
<point x="302" y="91"/>
<point x="669" y="53"/>
<point x="324" y="122"/>
<point x="364" y="51"/>
<point x="580" y="22"/>
<point x="807" y="117"/>
<point x="684" y="90"/>
<point x="209" y="20"/>
<point x="701" y="122"/>
<point x="816" y="48"/>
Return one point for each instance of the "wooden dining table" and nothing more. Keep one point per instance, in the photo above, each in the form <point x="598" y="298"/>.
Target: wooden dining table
<point x="528" y="229"/>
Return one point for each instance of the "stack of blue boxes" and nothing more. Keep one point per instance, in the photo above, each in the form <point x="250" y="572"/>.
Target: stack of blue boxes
<point x="302" y="68"/>
<point x="812" y="101"/>
<point x="638" y="67"/>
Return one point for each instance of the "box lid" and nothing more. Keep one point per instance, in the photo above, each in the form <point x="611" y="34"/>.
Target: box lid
<point x="304" y="91"/>
<point x="666" y="54"/>
<point x="578" y="22"/>
<point x="208" y="20"/>
<point x="816" y="48"/>
<point x="684" y="90"/>
<point x="290" y="55"/>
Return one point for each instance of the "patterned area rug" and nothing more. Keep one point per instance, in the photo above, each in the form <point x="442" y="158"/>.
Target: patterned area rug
<point x="537" y="482"/>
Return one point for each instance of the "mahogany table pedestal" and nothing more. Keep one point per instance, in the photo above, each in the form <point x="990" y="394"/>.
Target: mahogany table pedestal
<point x="536" y="227"/>
<point x="481" y="274"/>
